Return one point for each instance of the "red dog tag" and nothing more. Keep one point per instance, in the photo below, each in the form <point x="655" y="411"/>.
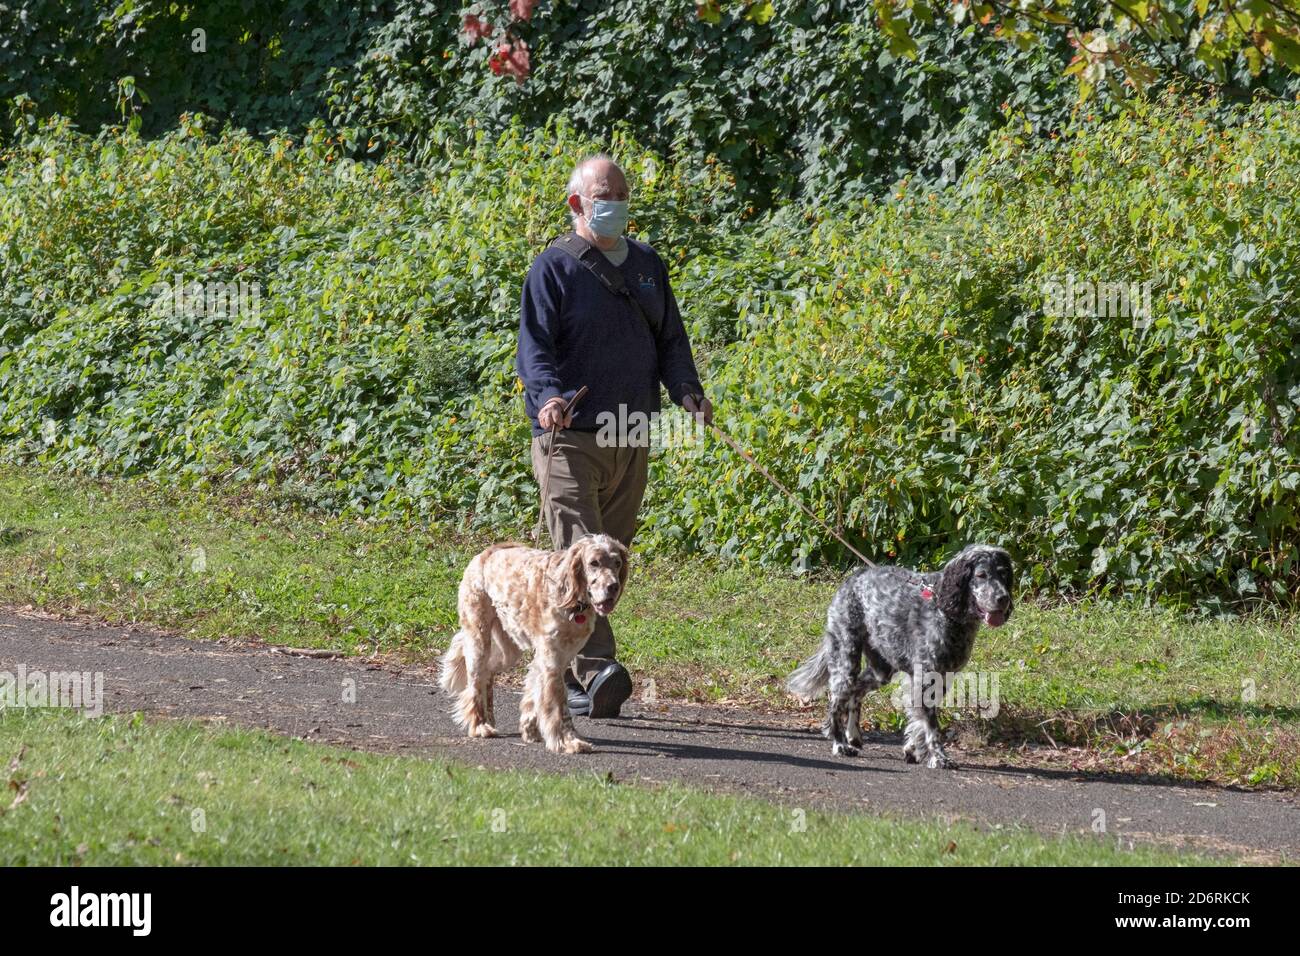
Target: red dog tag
<point x="580" y="618"/>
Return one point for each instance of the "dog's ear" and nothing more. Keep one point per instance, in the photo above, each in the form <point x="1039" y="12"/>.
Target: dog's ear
<point x="1007" y="575"/>
<point x="624" y="567"/>
<point x="954" y="585"/>
<point x="573" y="578"/>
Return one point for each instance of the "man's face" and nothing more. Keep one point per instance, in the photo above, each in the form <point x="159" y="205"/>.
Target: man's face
<point x="603" y="180"/>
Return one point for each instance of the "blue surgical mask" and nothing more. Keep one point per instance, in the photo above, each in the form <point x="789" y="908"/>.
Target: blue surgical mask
<point x="608" y="217"/>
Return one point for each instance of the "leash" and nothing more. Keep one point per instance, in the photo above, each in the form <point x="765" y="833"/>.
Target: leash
<point x="731" y="442"/>
<point x="546" y="477"/>
<point x="735" y="446"/>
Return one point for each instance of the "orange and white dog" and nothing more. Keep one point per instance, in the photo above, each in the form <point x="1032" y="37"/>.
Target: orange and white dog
<point x="514" y="598"/>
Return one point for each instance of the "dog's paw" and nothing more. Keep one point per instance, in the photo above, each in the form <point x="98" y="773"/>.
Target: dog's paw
<point x="571" y="745"/>
<point x="482" y="730"/>
<point x="940" y="761"/>
<point x="909" y="755"/>
<point x="530" y="733"/>
<point x="839" y="749"/>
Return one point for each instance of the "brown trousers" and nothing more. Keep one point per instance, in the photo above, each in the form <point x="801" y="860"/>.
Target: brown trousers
<point x="593" y="490"/>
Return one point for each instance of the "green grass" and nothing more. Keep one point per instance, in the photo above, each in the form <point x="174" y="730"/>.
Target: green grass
<point x="1142" y="688"/>
<point x="121" y="790"/>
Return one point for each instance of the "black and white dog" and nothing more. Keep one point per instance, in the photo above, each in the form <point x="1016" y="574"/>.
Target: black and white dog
<point x="919" y="625"/>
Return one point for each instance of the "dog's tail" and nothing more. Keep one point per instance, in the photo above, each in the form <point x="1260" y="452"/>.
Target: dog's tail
<point x="813" y="676"/>
<point x="452" y="675"/>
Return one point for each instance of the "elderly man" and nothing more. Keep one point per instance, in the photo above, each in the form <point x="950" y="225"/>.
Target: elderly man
<point x="598" y="311"/>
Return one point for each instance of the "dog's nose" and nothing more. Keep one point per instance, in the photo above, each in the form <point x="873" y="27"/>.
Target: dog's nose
<point x="613" y="588"/>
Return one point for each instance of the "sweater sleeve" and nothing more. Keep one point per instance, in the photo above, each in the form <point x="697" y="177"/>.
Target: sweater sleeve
<point x="676" y="365"/>
<point x="539" y="318"/>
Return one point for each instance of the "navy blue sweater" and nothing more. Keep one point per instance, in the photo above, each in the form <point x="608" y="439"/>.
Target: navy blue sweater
<point x="574" y="332"/>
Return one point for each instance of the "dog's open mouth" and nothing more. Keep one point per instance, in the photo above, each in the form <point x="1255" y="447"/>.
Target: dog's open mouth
<point x="604" y="607"/>
<point x="994" y="618"/>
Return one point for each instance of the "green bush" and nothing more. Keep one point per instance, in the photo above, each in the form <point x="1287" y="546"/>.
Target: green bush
<point x="809" y="103"/>
<point x="849" y="115"/>
<point x="895" y="361"/>
<point x="377" y="370"/>
<point x="264" y="64"/>
<point x="922" y="397"/>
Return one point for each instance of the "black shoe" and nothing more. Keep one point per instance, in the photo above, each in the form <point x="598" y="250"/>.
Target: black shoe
<point x="608" y="690"/>
<point x="579" y="702"/>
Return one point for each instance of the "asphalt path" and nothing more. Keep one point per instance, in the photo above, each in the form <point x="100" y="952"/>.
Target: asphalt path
<point x="389" y="707"/>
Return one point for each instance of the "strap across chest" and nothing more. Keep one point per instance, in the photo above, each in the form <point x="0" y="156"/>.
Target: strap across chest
<point x="595" y="262"/>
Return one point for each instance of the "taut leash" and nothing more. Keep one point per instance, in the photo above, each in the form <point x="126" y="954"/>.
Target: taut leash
<point x="735" y="446"/>
<point x="550" y="451"/>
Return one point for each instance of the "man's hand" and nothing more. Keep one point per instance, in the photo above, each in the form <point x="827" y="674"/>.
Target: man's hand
<point x="552" y="414"/>
<point x="700" y="407"/>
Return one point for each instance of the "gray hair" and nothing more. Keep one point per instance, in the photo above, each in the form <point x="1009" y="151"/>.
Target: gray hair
<point x="578" y="178"/>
